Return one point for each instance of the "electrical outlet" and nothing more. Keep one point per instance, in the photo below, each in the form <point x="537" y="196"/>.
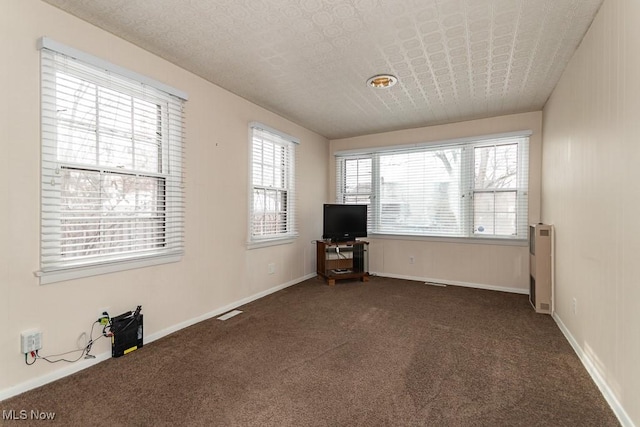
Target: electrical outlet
<point x="574" y="305"/>
<point x="271" y="268"/>
<point x="103" y="316"/>
<point x="30" y="340"/>
<point x="412" y="259"/>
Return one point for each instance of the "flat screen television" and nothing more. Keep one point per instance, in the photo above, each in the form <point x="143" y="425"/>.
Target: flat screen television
<point x="342" y="223"/>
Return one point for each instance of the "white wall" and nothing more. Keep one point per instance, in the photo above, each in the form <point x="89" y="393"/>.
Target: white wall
<point x="217" y="270"/>
<point x="591" y="154"/>
<point x="485" y="264"/>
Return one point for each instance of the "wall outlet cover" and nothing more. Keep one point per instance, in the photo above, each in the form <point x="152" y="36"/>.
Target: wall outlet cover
<point x="30" y="340"/>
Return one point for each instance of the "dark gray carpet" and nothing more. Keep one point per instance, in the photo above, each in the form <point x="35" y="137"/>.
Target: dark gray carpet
<point x="385" y="352"/>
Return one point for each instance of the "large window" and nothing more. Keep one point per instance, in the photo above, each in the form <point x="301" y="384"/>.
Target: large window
<point x="112" y="174"/>
<point x="471" y="188"/>
<point x="272" y="216"/>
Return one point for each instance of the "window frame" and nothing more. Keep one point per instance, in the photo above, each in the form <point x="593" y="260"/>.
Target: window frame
<point x="261" y="132"/>
<point x="166" y="177"/>
<point x="466" y="183"/>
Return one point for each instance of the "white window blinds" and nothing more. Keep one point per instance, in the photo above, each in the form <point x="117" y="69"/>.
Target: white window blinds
<point x="470" y="188"/>
<point x="272" y="214"/>
<point x="112" y="166"/>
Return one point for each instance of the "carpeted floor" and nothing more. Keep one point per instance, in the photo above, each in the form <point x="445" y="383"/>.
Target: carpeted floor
<point x="386" y="352"/>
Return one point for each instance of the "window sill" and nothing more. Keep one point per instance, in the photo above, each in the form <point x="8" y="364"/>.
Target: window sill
<point x="270" y="242"/>
<point x="54" y="276"/>
<point x="462" y="240"/>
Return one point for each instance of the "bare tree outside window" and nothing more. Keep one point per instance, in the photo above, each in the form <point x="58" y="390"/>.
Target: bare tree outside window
<point x="495" y="189"/>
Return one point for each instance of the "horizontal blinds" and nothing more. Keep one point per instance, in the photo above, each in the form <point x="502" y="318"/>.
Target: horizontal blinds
<point x="420" y="191"/>
<point x="464" y="189"/>
<point x="273" y="198"/>
<point x="112" y="167"/>
<point x="354" y="180"/>
<point x="499" y="188"/>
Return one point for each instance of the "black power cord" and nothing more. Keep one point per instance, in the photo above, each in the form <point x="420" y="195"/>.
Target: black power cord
<point x="26" y="358"/>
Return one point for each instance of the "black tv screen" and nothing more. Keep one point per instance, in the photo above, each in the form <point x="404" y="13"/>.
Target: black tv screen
<point x="344" y="222"/>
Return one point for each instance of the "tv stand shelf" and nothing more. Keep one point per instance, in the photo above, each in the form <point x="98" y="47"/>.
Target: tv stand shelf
<point x="342" y="260"/>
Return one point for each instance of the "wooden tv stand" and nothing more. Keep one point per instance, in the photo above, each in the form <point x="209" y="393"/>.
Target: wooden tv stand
<point x="342" y="260"/>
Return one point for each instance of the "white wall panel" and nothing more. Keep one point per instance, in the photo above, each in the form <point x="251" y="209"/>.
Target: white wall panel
<point x="590" y="193"/>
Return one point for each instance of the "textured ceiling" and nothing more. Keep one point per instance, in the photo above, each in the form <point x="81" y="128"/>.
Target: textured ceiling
<point x="308" y="60"/>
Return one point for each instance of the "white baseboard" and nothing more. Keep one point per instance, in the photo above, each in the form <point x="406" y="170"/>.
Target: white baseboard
<point x="590" y="366"/>
<point x="52" y="376"/>
<point x="455" y="283"/>
<point x="86" y="363"/>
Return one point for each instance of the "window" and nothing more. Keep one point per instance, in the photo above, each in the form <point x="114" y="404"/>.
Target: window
<point x="112" y="174"/>
<point x="470" y="188"/>
<point x="272" y="216"/>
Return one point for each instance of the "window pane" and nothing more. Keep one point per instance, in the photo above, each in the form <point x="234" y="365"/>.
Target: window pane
<point x="420" y="192"/>
<point x="269" y="214"/>
<point x="147" y="135"/>
<point x="256" y="173"/>
<point x="147" y="156"/>
<point x="495" y="213"/>
<point x="483" y="208"/>
<point x="496" y="166"/>
<point x="76" y="145"/>
<point x="505" y="224"/>
<point x="76" y="119"/>
<point x="506" y="213"/>
<point x="75" y="101"/>
<point x="147" y="119"/>
<point x="279" y="178"/>
<point x="93" y="120"/>
<point x="80" y="213"/>
<point x="506" y="202"/>
<point x="357" y="175"/>
<point x="115" y="151"/>
<point x="269" y="165"/>
<point x="110" y="213"/>
<point x="267" y="175"/>
<point x="267" y="153"/>
<point x="259" y="200"/>
<point x="132" y="210"/>
<point x="115" y="112"/>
